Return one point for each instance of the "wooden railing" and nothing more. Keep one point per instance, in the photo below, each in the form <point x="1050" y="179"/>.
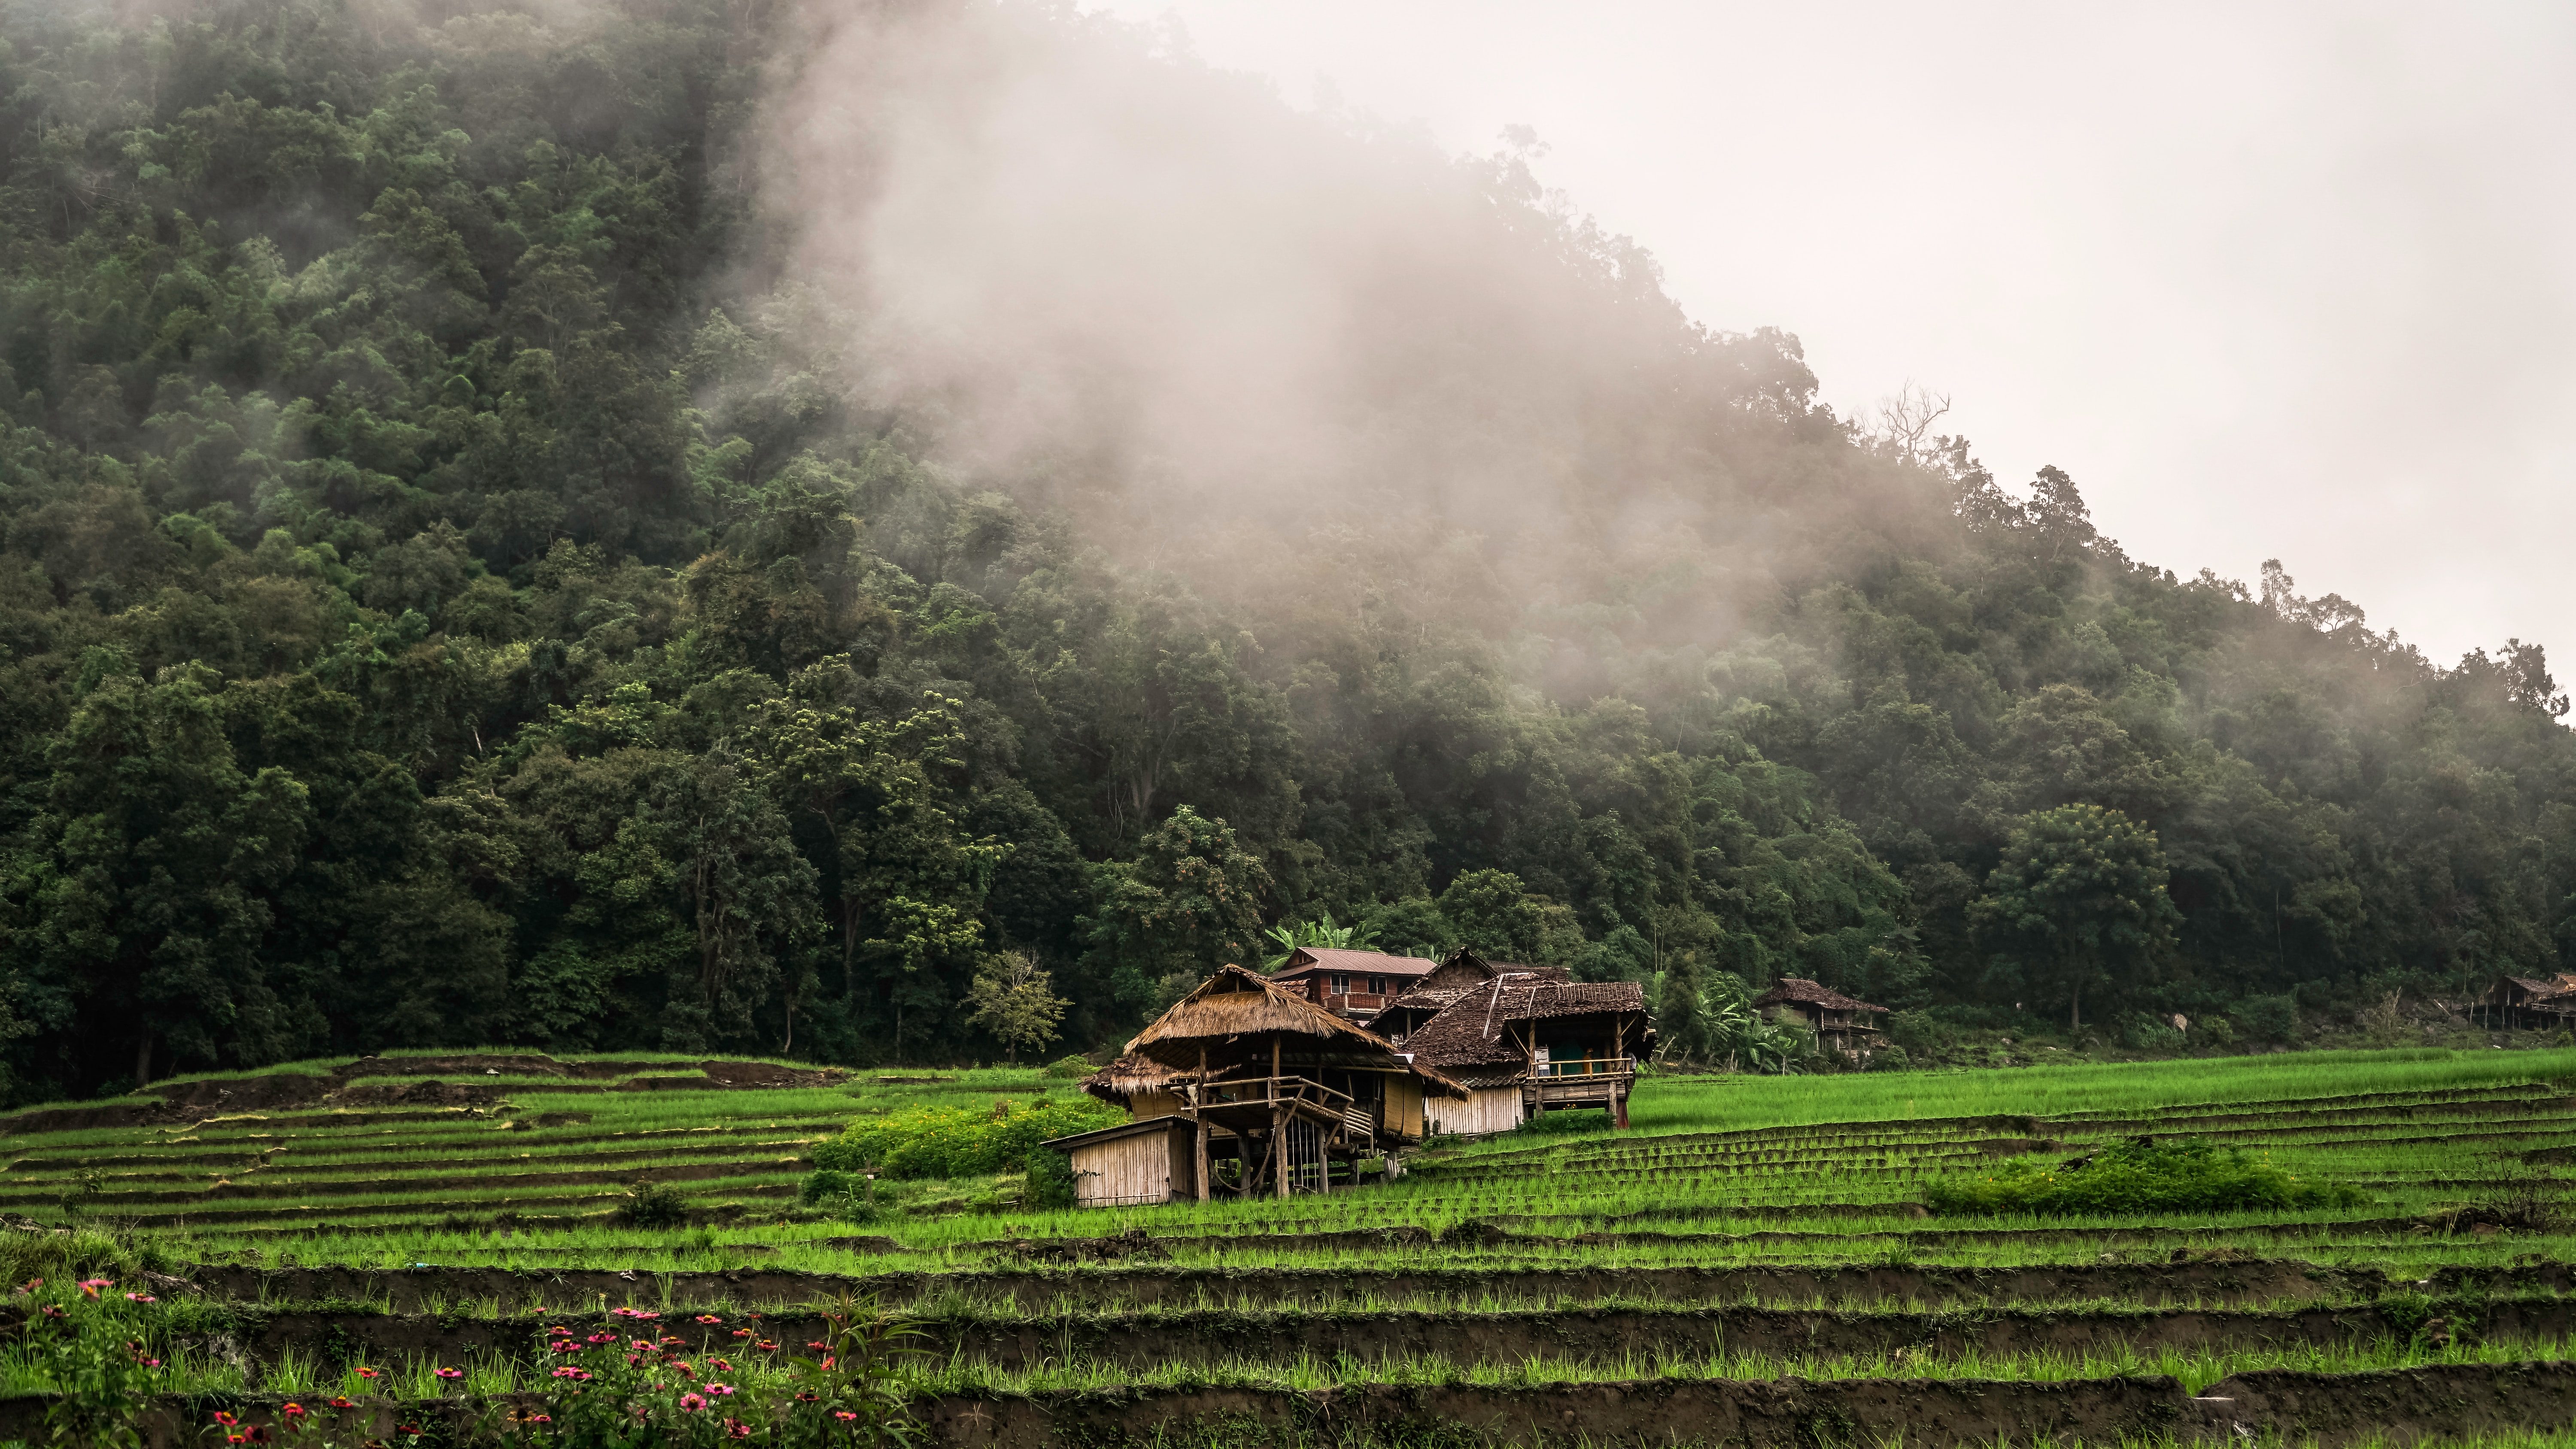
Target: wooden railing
<point x="1269" y="1091"/>
<point x="1585" y="1067"/>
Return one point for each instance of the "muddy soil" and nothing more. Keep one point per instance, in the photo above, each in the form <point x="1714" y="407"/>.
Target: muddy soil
<point x="1138" y="1342"/>
<point x="2400" y="1406"/>
<point x="2330" y="1411"/>
<point x="2147" y="1284"/>
<point x="1775" y="1414"/>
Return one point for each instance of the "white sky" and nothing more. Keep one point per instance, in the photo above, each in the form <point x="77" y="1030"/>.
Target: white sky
<point x="2269" y="280"/>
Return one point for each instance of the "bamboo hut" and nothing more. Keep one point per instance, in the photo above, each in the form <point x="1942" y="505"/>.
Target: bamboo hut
<point x="1523" y="1044"/>
<point x="1274" y="1093"/>
<point x="1836" y="1019"/>
<point x="2530" y="1001"/>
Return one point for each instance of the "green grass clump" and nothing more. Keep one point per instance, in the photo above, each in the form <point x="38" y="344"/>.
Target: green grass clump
<point x="2138" y="1175"/>
<point x="959" y="1142"/>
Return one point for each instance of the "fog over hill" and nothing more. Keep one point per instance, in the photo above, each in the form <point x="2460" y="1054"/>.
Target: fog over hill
<point x="721" y="527"/>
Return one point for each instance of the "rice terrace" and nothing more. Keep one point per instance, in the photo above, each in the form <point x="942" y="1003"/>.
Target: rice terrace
<point x="435" y="1249"/>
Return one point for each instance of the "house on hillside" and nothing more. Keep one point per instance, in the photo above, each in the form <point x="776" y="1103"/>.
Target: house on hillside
<point x="1522" y="1043"/>
<point x="1246" y="1088"/>
<point x="2530" y="1001"/>
<point x="1461" y="973"/>
<point x="1358" y="984"/>
<point x="1837" y="1020"/>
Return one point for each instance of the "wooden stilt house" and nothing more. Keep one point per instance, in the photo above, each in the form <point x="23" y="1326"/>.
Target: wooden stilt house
<point x="1273" y="1093"/>
<point x="1839" y="1022"/>
<point x="2530" y="1001"/>
<point x="1523" y="1044"/>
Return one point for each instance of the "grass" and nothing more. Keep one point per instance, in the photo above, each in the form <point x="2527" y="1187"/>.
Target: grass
<point x="1722" y="1192"/>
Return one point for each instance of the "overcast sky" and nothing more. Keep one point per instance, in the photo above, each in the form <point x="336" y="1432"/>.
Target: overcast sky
<point x="2287" y="280"/>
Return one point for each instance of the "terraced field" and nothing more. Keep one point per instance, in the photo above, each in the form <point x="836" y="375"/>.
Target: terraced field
<point x="1753" y="1264"/>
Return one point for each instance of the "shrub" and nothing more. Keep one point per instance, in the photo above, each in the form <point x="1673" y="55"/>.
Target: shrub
<point x="959" y="1142"/>
<point x="1050" y="1180"/>
<point x="2140" y="1031"/>
<point x="655" y="1205"/>
<point x="2141" y="1174"/>
<point x="1069" y="1068"/>
<point x="2269" y="1018"/>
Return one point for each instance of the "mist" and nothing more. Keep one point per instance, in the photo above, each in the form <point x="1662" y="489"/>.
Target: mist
<point x="1219" y="331"/>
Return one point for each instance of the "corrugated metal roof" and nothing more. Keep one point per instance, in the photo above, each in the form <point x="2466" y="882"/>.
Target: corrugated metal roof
<point x="1334" y="958"/>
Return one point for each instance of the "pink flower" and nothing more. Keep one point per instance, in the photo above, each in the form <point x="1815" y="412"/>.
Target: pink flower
<point x="89" y="1286"/>
<point x="691" y="1403"/>
<point x="451" y="1374"/>
<point x="721" y="1391"/>
<point x="141" y="1298"/>
<point x="843" y="1415"/>
<point x="709" y="1318"/>
<point x="600" y="1340"/>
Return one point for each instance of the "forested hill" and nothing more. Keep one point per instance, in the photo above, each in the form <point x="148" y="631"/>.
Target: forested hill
<point x="456" y="591"/>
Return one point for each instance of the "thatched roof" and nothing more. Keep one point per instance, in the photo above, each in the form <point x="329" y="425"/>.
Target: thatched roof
<point x="1123" y="1080"/>
<point x="1463" y="972"/>
<point x="1233" y="1015"/>
<point x="1472" y="1030"/>
<point x="1238" y="1005"/>
<point x="1800" y="989"/>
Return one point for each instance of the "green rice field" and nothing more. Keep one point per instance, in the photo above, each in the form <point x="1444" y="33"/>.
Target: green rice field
<point x="433" y="1240"/>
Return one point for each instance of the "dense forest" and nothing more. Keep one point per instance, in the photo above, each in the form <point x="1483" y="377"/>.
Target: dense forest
<point x="462" y="585"/>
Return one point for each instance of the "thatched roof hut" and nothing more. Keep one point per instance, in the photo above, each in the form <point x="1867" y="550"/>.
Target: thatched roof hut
<point x="1239" y="1018"/>
<point x="1487" y="1037"/>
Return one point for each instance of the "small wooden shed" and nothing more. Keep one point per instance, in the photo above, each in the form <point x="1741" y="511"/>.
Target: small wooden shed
<point x="1148" y="1160"/>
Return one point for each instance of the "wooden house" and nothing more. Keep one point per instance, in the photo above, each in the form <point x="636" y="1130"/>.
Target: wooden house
<point x="1461" y="973"/>
<point x="1522" y="1044"/>
<point x="1358" y="984"/>
<point x="1271" y="1093"/>
<point x="1837" y="1020"/>
<point x="2530" y="1001"/>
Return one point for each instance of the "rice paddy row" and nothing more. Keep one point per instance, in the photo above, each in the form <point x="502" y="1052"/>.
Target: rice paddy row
<point x="1745" y="1229"/>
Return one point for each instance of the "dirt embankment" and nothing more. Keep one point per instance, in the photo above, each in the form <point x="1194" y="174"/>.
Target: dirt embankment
<point x="1684" y="1334"/>
<point x="2328" y="1411"/>
<point x="187" y="1101"/>
<point x="2153" y="1285"/>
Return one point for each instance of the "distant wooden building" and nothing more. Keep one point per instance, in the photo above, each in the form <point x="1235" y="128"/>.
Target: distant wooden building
<point x="1271" y="1094"/>
<point x="1454" y="977"/>
<point x="2530" y="1001"/>
<point x="1836" y="1019"/>
<point x="1358" y="984"/>
<point x="1522" y="1043"/>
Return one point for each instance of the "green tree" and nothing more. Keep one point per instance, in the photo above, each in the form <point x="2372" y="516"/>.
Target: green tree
<point x="2078" y="903"/>
<point x="1186" y="903"/>
<point x="1015" y="1001"/>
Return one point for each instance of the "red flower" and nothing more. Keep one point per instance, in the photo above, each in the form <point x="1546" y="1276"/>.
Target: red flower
<point x="709" y="1318"/>
<point x="292" y="1410"/>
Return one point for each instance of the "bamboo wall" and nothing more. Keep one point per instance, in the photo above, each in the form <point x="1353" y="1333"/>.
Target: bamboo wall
<point x="1487" y="1109"/>
<point x="1148" y="1167"/>
<point x="1404" y="1105"/>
